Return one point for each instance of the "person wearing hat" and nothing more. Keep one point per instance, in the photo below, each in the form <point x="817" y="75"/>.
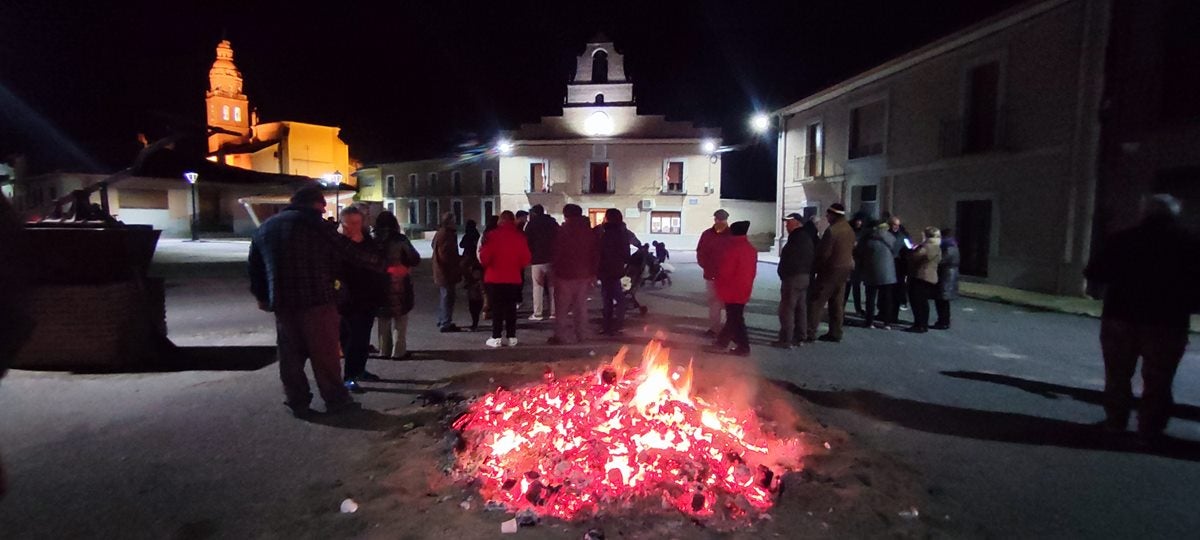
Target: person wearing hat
<point x="713" y="245"/>
<point x="734" y="283"/>
<point x="795" y="269"/>
<point x="832" y="264"/>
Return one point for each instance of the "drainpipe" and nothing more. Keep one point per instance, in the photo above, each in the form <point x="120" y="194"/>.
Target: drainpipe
<point x="780" y="181"/>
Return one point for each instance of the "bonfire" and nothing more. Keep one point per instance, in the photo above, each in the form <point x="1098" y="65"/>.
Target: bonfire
<point x="619" y="438"/>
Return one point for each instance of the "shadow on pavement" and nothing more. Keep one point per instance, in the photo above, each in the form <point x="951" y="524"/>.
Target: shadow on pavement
<point x="171" y="358"/>
<point x="368" y="420"/>
<point x="987" y="425"/>
<point x="1053" y="391"/>
<point x="520" y="353"/>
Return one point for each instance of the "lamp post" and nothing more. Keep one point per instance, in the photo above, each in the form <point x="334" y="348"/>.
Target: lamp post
<point x="191" y="177"/>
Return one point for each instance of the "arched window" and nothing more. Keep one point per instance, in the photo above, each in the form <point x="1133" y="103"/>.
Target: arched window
<point x="600" y="66"/>
<point x="237" y="114"/>
<point x="599" y="99"/>
<point x="225" y="113"/>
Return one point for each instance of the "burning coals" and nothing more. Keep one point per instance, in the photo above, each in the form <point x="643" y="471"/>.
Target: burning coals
<point x="617" y="437"/>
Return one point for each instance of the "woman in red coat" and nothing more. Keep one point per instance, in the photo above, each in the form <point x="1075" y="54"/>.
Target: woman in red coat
<point x="734" y="282"/>
<point x="504" y="257"/>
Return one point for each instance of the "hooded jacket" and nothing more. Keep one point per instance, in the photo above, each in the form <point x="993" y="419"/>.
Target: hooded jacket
<point x="736" y="271"/>
<point x="575" y="251"/>
<point x="504" y="256"/>
<point x="541" y="232"/>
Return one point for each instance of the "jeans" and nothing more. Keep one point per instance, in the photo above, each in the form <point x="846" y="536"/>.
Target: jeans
<point x="854" y="289"/>
<point x="1161" y="349"/>
<point x="356" y="340"/>
<point x="504" y="298"/>
<point x="884" y="294"/>
<point x="715" y="305"/>
<point x="919" y="293"/>
<point x="613" y="299"/>
<point x="445" y="312"/>
<point x="793" y="309"/>
<point x="571" y="297"/>
<point x="303" y="334"/>
<point x="943" y="312"/>
<point x="735" y="328"/>
<point x="542" y="283"/>
<point x="828" y="293"/>
<point x="399" y="346"/>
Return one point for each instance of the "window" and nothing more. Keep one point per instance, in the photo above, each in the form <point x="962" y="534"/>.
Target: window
<point x="537" y="178"/>
<point x="489" y="183"/>
<point x="600" y="66"/>
<point x="431" y="212"/>
<point x="598" y="181"/>
<point x="432" y="180"/>
<point x="412" y="184"/>
<point x="866" y="200"/>
<point x="225" y="113"/>
<point x="814" y="150"/>
<point x="973" y="230"/>
<point x="414" y="211"/>
<point x="488" y="207"/>
<point x="391" y="207"/>
<point x="666" y="222"/>
<point x="53" y="193"/>
<point x="1180" y="56"/>
<point x="599" y="99"/>
<point x="982" y="108"/>
<point x="457" y="207"/>
<point x="456" y="183"/>
<point x="237" y="114"/>
<point x="673" y="178"/>
<point x="866" y="130"/>
<point x="596" y="216"/>
<point x="389" y="183"/>
<point x="148" y="199"/>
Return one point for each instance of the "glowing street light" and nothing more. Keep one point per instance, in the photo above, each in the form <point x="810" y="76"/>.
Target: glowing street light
<point x="192" y="177"/>
<point x="709" y="146"/>
<point x="760" y="123"/>
<point x="334" y="180"/>
<point x="505" y="147"/>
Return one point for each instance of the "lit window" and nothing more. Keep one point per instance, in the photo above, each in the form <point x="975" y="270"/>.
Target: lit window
<point x="225" y="113"/>
<point x="237" y="114"/>
<point x="666" y="222"/>
<point x="673" y="179"/>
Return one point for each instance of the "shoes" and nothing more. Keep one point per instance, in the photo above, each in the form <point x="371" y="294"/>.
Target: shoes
<point x="710" y="333"/>
<point x="405" y="356"/>
<point x="302" y="412"/>
<point x="917" y="329"/>
<point x="553" y="317"/>
<point x="450" y="328"/>
<point x="354" y="388"/>
<point x="368" y="376"/>
<point x="940" y="326"/>
<point x="808" y="339"/>
<point x="782" y="344"/>
<point x="554" y="341"/>
<point x="903" y="308"/>
<point x="343" y="407"/>
<point x="510" y="342"/>
<point x="494" y="343"/>
<point x="536" y="318"/>
<point x="740" y="351"/>
<point x="372" y="349"/>
<point x="882" y="326"/>
<point x="829" y="338"/>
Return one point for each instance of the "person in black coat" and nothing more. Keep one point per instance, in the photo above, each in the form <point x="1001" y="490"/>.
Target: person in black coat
<point x="947" y="286"/>
<point x="614" y="242"/>
<point x="360" y="295"/>
<point x="795" y="274"/>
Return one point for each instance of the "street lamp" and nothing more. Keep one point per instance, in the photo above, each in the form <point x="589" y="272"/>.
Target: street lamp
<point x="335" y="179"/>
<point x="760" y="123"/>
<point x="505" y="147"/>
<point x="709" y="146"/>
<point x="191" y="177"/>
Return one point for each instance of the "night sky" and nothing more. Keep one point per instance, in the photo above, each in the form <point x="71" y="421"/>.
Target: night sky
<point x="79" y="80"/>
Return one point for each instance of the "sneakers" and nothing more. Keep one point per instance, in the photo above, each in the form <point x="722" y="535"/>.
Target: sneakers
<point x="782" y="344"/>
<point x="302" y="412"/>
<point x="917" y="329"/>
<point x="354" y="388"/>
<point x="940" y="326"/>
<point x="882" y="326"/>
<point x="510" y="342"/>
<point x="829" y="338"/>
<point x="450" y="328"/>
<point x="536" y="318"/>
<point x="739" y="351"/>
<point x="494" y="343"/>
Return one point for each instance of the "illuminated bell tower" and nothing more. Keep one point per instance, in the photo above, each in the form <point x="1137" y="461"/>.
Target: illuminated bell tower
<point x="228" y="107"/>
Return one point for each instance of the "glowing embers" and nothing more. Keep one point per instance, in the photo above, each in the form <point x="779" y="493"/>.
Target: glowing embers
<point x="620" y="437"/>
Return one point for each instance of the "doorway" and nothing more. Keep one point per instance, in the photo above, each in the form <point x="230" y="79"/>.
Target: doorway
<point x="973" y="227"/>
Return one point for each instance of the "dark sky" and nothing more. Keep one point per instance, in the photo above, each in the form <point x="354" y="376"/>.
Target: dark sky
<point x="79" y="80"/>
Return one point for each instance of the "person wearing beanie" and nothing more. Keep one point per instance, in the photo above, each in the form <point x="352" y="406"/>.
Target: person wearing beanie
<point x="795" y="272"/>
<point x="734" y="283"/>
<point x="833" y="263"/>
<point x="713" y="245"/>
<point x="923" y="277"/>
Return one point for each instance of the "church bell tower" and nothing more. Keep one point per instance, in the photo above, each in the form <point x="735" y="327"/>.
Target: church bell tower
<point x="228" y="107"/>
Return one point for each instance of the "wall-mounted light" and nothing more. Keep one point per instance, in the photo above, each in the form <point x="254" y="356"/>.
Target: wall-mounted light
<point x="760" y="122"/>
<point x="599" y="124"/>
<point x="505" y="147"/>
<point x="709" y="146"/>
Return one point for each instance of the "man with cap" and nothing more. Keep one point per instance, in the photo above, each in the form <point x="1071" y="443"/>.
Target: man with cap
<point x="833" y="262"/>
<point x="795" y="269"/>
<point x="734" y="283"/>
<point x="713" y="245"/>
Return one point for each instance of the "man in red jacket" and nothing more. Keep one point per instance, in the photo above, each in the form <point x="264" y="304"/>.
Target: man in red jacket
<point x="575" y="260"/>
<point x="714" y="244"/>
<point x="504" y="257"/>
<point x="734" y="282"/>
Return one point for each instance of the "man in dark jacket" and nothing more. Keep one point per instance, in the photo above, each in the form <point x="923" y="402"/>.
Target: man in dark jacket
<point x="1150" y="274"/>
<point x="361" y="293"/>
<point x="293" y="258"/>
<point x="833" y="263"/>
<point x="795" y="269"/>
<point x="714" y="243"/>
<point x="900" y="250"/>
<point x="575" y="262"/>
<point x="613" y="246"/>
<point x="541" y="232"/>
<point x="947" y="286"/>
<point x="446" y="271"/>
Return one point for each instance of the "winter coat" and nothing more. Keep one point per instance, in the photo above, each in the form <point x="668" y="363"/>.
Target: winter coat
<point x="796" y="257"/>
<point x="361" y="290"/>
<point x="711" y="249"/>
<point x="505" y="255"/>
<point x="541" y="232"/>
<point x="470" y="241"/>
<point x="835" y="251"/>
<point x="924" y="259"/>
<point x="576" y="255"/>
<point x="613" y="247"/>
<point x="948" y="270"/>
<point x="472" y="275"/>
<point x="446" y="263"/>
<point x="874" y="255"/>
<point x="736" y="272"/>
<point x="1149" y="274"/>
<point x="398" y="298"/>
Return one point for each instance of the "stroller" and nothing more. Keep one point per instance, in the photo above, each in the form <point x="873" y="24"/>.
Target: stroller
<point x="658" y="273"/>
<point x="635" y="271"/>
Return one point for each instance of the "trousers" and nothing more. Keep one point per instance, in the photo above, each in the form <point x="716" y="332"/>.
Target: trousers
<point x="543" y="286"/>
<point x="715" y="305"/>
<point x="828" y="293"/>
<point x="570" y="295"/>
<point x="504" y="298"/>
<point x="393" y="335"/>
<point x="793" y="308"/>
<point x="613" y="298"/>
<point x="1161" y="349"/>
<point x="309" y="334"/>
<point x="735" y="328"/>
